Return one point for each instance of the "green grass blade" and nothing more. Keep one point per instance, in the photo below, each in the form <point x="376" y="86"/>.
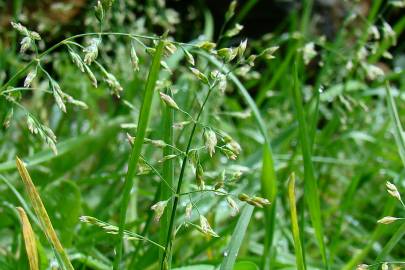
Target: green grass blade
<point x="43" y="217"/>
<point x="237" y="238"/>
<point x="136" y="150"/>
<point x="398" y="235"/>
<point x="294" y="223"/>
<point x="311" y="185"/>
<point x="269" y="191"/>
<point x="398" y="131"/>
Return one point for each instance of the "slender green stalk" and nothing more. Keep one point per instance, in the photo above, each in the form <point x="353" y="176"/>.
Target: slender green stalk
<point x="169" y="237"/>
<point x="268" y="179"/>
<point x="167" y="174"/>
<point x="136" y="150"/>
<point x="294" y="224"/>
<point x="311" y="185"/>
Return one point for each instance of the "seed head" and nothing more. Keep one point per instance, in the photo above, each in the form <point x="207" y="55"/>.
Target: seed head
<point x="232" y="204"/>
<point x="210" y="141"/>
<point x="373" y="72"/>
<point x="134" y="59"/>
<point x="389" y="33"/>
<point x="206" y="227"/>
<point x="199" y="75"/>
<point x="208" y="46"/>
<point x="189" y="209"/>
<point x="99" y="11"/>
<point x="91" y="50"/>
<point x="189" y="57"/>
<point x="199" y="176"/>
<point x="159" y="209"/>
<point x="113" y="83"/>
<point x="91" y="76"/>
<point x="30" y="77"/>
<point x="76" y="60"/>
<point x="166" y="67"/>
<point x="242" y="48"/>
<point x="168" y="100"/>
<point x="170" y="47"/>
<point x="231" y="10"/>
<point x="393" y="191"/>
<point x="26" y="43"/>
<point x="387" y="220"/>
<point x="227" y="54"/>
<point x="165" y="158"/>
<point x="308" y="52"/>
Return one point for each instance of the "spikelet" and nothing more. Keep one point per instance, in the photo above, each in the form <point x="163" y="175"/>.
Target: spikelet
<point x="393" y="191"/>
<point x="199" y="75"/>
<point x="210" y="141"/>
<point x="387" y="220"/>
<point x="168" y="100"/>
<point x="206" y="227"/>
<point x="159" y="209"/>
<point x="30" y="77"/>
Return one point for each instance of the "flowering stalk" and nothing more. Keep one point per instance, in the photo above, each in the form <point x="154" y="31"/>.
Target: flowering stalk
<point x="169" y="236"/>
<point x="136" y="150"/>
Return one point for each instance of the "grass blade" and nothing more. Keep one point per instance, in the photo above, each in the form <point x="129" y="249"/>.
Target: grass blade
<point x="136" y="150"/>
<point x="29" y="240"/>
<point x="237" y="238"/>
<point x="294" y="223"/>
<point x="398" y="235"/>
<point x="269" y="191"/>
<point x="43" y="217"/>
<point x="398" y="131"/>
<point x="311" y="185"/>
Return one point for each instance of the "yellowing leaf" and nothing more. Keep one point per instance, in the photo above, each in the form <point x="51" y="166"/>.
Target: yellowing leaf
<point x="29" y="240"/>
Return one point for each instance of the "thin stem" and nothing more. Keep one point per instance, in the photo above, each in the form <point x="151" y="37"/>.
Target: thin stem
<point x="183" y="167"/>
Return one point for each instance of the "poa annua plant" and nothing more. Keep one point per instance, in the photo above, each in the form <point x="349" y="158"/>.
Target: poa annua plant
<point x="187" y="120"/>
<point x="162" y="151"/>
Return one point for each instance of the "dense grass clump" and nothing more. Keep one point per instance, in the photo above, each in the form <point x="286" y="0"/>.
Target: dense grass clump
<point x="131" y="140"/>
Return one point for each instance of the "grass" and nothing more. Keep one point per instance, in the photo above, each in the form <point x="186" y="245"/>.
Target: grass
<point x="294" y="224"/>
<point x="143" y="121"/>
<point x="44" y="220"/>
<point x="272" y="153"/>
<point x="311" y="185"/>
